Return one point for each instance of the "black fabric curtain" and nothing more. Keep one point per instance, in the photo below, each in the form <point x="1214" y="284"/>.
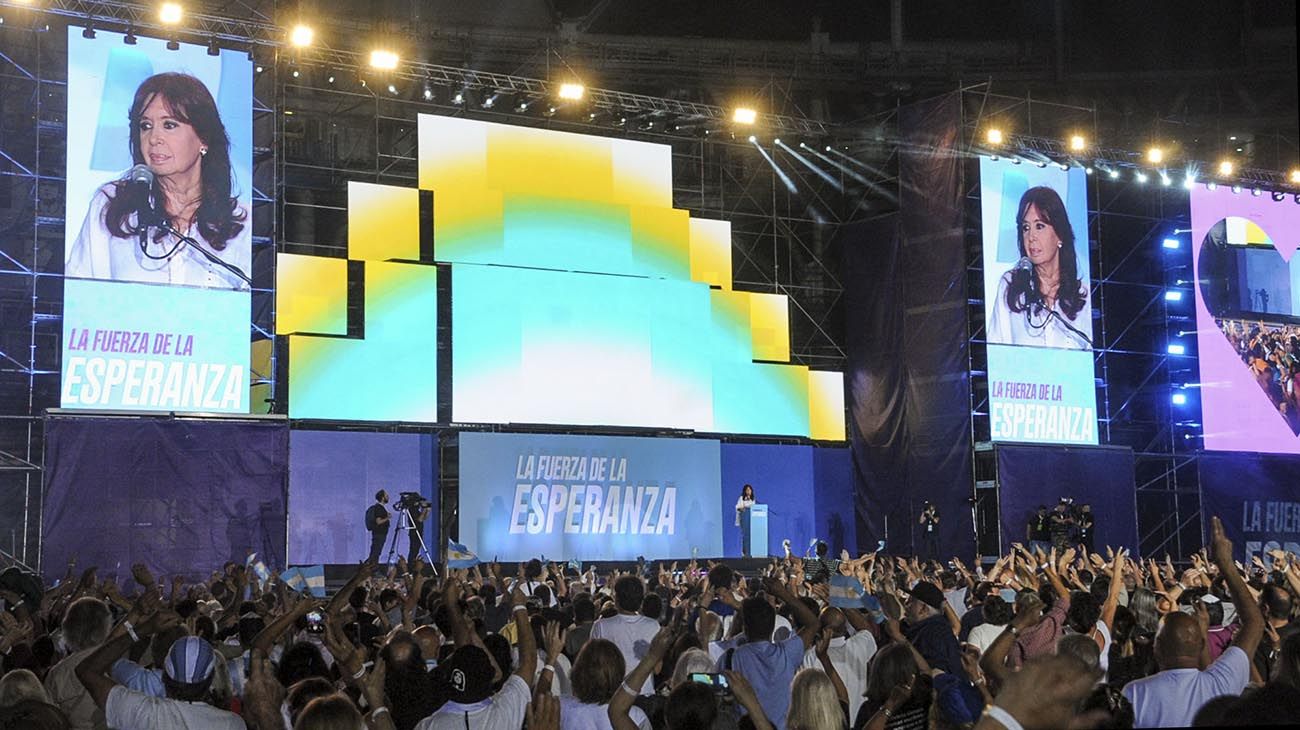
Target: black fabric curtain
<point x="908" y="371"/>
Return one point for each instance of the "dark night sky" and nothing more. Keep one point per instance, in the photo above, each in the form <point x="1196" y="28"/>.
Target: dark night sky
<point x="1103" y="36"/>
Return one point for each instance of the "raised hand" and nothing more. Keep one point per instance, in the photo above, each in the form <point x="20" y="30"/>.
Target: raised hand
<point x="1220" y="545"/>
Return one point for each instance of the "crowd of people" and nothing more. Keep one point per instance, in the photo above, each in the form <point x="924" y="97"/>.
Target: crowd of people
<point x="1040" y="638"/>
<point x="1272" y="352"/>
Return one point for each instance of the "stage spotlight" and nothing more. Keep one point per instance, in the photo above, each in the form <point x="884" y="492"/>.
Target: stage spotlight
<point x="213" y="48"/>
<point x="1278" y="196"/>
<point x="302" y="36"/>
<point x="1294" y="177"/>
<point x="1179" y="399"/>
<point x="744" y="115"/>
<point x="1171" y="243"/>
<point x="427" y="92"/>
<point x="1087" y="170"/>
<point x="1225" y="168"/>
<point x="1155" y="155"/>
<point x="459" y="98"/>
<point x="1255" y="192"/>
<point x="776" y="141"/>
<point x="1141" y="177"/>
<point x="489" y="102"/>
<point x="828" y="148"/>
<point x="383" y="60"/>
<point x="392" y="89"/>
<point x="1166" y="180"/>
<point x="1173" y="295"/>
<point x="129" y="38"/>
<point x="170" y="13"/>
<point x="173" y="45"/>
<point x="88" y="33"/>
<point x="330" y="80"/>
<point x="752" y="138"/>
<point x="1078" y="143"/>
<point x="993" y="136"/>
<point x="572" y="91"/>
<point x="259" y="69"/>
<point x="1236" y="189"/>
<point x="1175" y="348"/>
<point x="1114" y="174"/>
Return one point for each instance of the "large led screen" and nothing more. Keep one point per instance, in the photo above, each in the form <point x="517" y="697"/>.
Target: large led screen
<point x="526" y="496"/>
<point x="579" y="296"/>
<point x="1038" y="303"/>
<point x="1247" y="319"/>
<point x="159" y="150"/>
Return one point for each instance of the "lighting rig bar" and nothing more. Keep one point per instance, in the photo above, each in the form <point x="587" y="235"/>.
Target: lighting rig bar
<point x="1056" y="151"/>
<point x="246" y="33"/>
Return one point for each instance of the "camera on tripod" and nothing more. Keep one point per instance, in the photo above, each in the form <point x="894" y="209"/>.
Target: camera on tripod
<point x="411" y="502"/>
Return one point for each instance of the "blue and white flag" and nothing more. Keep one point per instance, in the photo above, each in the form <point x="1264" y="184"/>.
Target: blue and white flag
<point x="459" y="556"/>
<point x="309" y="578"/>
<point x="258" y="567"/>
<point x="846" y="592"/>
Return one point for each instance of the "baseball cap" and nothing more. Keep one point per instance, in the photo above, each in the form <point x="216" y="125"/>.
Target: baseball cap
<point x="929" y="594"/>
<point x="468" y="673"/>
<point x="189" y="661"/>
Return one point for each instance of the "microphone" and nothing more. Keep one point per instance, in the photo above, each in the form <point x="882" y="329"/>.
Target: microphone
<point x="1023" y="274"/>
<point x="139" y="181"/>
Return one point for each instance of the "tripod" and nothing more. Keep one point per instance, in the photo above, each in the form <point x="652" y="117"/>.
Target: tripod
<point x="406" y="523"/>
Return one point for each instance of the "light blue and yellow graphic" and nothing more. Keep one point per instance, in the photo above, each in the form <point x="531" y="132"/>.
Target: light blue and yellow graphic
<point x="579" y="296"/>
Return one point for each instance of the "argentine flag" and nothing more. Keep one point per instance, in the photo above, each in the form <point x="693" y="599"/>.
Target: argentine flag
<point x="459" y="556"/>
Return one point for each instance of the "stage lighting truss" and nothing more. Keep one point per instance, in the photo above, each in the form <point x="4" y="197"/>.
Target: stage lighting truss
<point x="236" y="33"/>
<point x="1127" y="164"/>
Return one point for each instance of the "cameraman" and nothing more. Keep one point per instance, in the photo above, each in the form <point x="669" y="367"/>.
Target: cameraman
<point x="419" y="510"/>
<point x="377" y="523"/>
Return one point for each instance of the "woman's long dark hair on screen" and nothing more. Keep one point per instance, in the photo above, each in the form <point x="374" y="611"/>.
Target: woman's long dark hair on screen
<point x="219" y="218"/>
<point x="1071" y="295"/>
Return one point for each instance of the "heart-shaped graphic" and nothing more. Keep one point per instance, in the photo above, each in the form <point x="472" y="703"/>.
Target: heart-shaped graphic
<point x="1247" y="287"/>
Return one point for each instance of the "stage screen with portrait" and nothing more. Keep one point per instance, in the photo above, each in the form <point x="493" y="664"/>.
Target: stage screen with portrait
<point x="1247" y="319"/>
<point x="158" y="243"/>
<point x="1038" y="303"/>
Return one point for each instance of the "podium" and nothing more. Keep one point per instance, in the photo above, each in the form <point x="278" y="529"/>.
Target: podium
<point x="755" y="523"/>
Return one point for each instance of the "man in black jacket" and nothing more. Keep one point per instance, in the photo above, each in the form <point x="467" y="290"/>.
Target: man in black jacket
<point x="377" y="523"/>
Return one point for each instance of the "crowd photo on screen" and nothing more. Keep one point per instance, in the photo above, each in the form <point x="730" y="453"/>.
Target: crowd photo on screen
<point x="1049" y="635"/>
<point x="1272" y="353"/>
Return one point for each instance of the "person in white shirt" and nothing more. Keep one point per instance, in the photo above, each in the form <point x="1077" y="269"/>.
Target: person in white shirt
<point x="177" y="133"/>
<point x="997" y="613"/>
<point x="1172" y="697"/>
<point x="597" y="675"/>
<point x="849" y="654"/>
<point x="629" y="630"/>
<point x="469" y="673"/>
<point x="187" y="676"/>
<point x="1042" y="300"/>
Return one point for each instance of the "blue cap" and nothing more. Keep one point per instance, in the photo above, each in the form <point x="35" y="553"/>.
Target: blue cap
<point x="189" y="661"/>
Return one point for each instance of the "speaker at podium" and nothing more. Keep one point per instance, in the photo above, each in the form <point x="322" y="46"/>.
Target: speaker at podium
<point x="753" y="531"/>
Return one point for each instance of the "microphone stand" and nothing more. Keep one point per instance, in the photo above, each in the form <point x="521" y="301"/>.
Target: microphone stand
<point x="167" y="226"/>
<point x="1051" y="313"/>
<point x="1037" y="303"/>
<point x="154" y="219"/>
